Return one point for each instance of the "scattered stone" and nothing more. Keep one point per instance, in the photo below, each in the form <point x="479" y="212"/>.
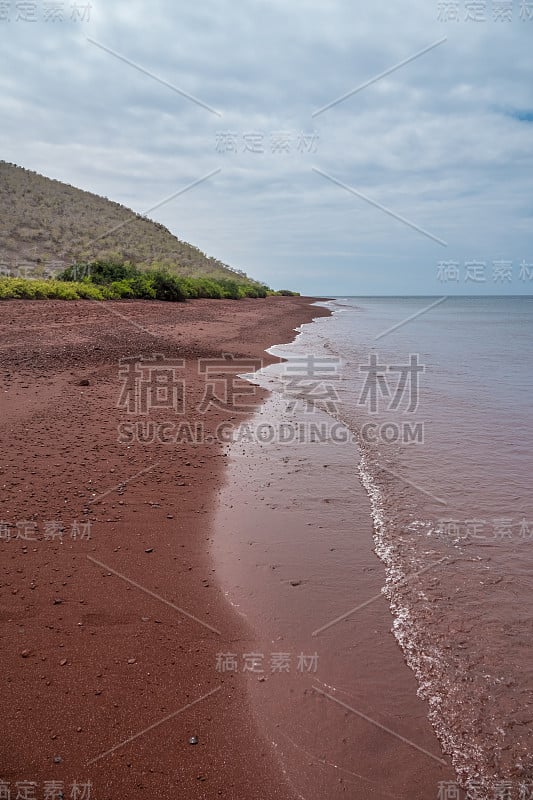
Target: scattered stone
<point x="193" y="740"/>
<point x="149" y="550"/>
<point x="295" y="583"/>
<point x="132" y="660"/>
<point x="57" y="759"/>
<point x="26" y="653"/>
<point x="57" y="601"/>
<point x="62" y="662"/>
<point x="84" y="382"/>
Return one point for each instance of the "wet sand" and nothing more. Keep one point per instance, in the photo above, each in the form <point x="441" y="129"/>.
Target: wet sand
<point x="111" y="616"/>
<point x="294" y="549"/>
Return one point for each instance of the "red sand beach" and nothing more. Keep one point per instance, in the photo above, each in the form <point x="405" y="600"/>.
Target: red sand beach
<point x="112" y="612"/>
<point x="91" y="658"/>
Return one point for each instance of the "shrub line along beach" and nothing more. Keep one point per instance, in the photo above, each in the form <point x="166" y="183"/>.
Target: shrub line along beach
<point x="116" y="279"/>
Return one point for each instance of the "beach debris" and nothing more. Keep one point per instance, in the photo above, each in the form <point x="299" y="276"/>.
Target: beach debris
<point x="149" y="550"/>
<point x="57" y="601"/>
<point x="25" y="653"/>
<point x="132" y="660"/>
<point x="193" y="740"/>
<point x="62" y="662"/>
<point x="57" y="759"/>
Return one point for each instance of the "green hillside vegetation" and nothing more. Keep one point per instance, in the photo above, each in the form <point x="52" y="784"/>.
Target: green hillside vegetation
<point x="116" y="280"/>
<point x="47" y="225"/>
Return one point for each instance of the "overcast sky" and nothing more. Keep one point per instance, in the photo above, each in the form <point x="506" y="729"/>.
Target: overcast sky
<point x="429" y="163"/>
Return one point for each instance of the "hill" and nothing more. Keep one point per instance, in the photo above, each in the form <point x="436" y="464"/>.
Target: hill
<point x="47" y="225"/>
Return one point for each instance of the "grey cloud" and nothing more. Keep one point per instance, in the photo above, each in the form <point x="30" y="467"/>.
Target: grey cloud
<point x="435" y="140"/>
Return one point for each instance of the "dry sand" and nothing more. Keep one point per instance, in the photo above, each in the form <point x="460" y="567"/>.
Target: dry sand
<point x="108" y="642"/>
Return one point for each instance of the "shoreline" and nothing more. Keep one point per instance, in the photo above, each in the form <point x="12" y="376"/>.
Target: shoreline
<point x="295" y="549"/>
<point x="89" y="624"/>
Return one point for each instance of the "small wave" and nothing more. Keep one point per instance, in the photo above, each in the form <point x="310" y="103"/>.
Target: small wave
<point x="456" y="695"/>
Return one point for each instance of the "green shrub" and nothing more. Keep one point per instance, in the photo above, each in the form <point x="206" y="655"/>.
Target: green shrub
<point x="87" y="291"/>
<point x="205" y="287"/>
<point x="230" y="289"/>
<point x="102" y="272"/>
<point x="28" y="289"/>
<point x="168" y="287"/>
<point x="109" y="293"/>
<point x="254" y="290"/>
<point x="65" y="292"/>
<point x="122" y="289"/>
<point x="191" y="288"/>
<point x="142" y="286"/>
